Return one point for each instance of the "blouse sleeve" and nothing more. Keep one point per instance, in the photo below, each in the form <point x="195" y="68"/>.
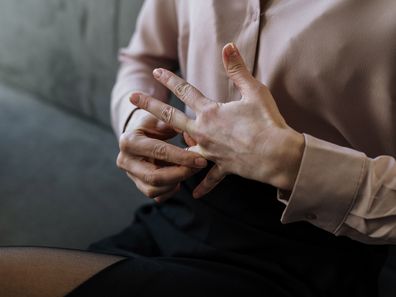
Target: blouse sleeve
<point x="343" y="191"/>
<point x="153" y="45"/>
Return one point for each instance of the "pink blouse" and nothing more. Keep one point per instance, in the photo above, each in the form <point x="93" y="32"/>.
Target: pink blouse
<point x="331" y="67"/>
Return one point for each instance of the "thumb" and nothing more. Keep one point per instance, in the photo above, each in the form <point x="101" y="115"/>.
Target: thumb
<point x="236" y="68"/>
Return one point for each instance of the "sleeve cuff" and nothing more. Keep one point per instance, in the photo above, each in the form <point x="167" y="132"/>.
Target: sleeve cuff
<point x="326" y="186"/>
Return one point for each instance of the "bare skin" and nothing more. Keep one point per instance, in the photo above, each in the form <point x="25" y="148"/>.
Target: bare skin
<point x="155" y="166"/>
<point x="249" y="137"/>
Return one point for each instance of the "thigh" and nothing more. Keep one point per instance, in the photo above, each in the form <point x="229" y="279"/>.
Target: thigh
<point x="42" y="272"/>
<point x="146" y="277"/>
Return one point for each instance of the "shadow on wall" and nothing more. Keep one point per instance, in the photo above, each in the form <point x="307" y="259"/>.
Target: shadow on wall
<point x="65" y="50"/>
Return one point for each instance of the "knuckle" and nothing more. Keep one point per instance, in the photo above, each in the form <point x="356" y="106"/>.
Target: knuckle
<point x="153" y="179"/>
<point x="187" y="158"/>
<point x="160" y="152"/>
<point x="120" y="161"/>
<point x="235" y="68"/>
<point x="210" y="110"/>
<point x="123" y="142"/>
<point x="167" y="114"/>
<point x="182" y="89"/>
<point x="126" y="141"/>
<point x="150" y="192"/>
<point x="148" y="178"/>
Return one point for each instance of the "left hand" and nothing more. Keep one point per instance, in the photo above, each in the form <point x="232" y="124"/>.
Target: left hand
<point x="249" y="137"/>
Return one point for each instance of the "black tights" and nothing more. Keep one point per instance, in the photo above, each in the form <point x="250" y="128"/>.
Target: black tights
<point x="45" y="272"/>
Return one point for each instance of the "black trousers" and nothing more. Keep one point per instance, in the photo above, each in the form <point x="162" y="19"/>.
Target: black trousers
<point x="232" y="243"/>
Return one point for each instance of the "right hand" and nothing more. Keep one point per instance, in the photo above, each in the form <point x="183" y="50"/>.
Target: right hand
<point x="155" y="166"/>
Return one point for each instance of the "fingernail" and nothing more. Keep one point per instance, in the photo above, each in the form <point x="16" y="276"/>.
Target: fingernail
<point x="135" y="98"/>
<point x="157" y="73"/>
<point x="231" y="50"/>
<point x="201" y="162"/>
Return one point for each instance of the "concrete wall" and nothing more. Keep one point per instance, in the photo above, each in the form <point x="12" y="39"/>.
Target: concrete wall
<point x="65" y="50"/>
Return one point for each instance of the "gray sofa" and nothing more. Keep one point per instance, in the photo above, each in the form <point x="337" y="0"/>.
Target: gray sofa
<point x="59" y="185"/>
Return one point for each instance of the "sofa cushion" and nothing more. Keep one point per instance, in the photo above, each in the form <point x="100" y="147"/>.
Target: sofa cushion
<point x="59" y="185"/>
<point x="66" y="51"/>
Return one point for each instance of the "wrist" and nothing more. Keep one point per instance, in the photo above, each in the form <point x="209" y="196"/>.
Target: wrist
<point x="290" y="156"/>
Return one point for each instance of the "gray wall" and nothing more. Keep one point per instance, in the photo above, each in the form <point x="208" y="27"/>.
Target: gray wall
<point x="65" y="50"/>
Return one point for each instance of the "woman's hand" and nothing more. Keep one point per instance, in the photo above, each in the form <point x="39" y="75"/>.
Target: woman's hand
<point x="155" y="166"/>
<point x="249" y="137"/>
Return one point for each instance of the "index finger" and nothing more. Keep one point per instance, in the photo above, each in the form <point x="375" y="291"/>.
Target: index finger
<point x="163" y="151"/>
<point x="187" y="93"/>
<point x="164" y="112"/>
